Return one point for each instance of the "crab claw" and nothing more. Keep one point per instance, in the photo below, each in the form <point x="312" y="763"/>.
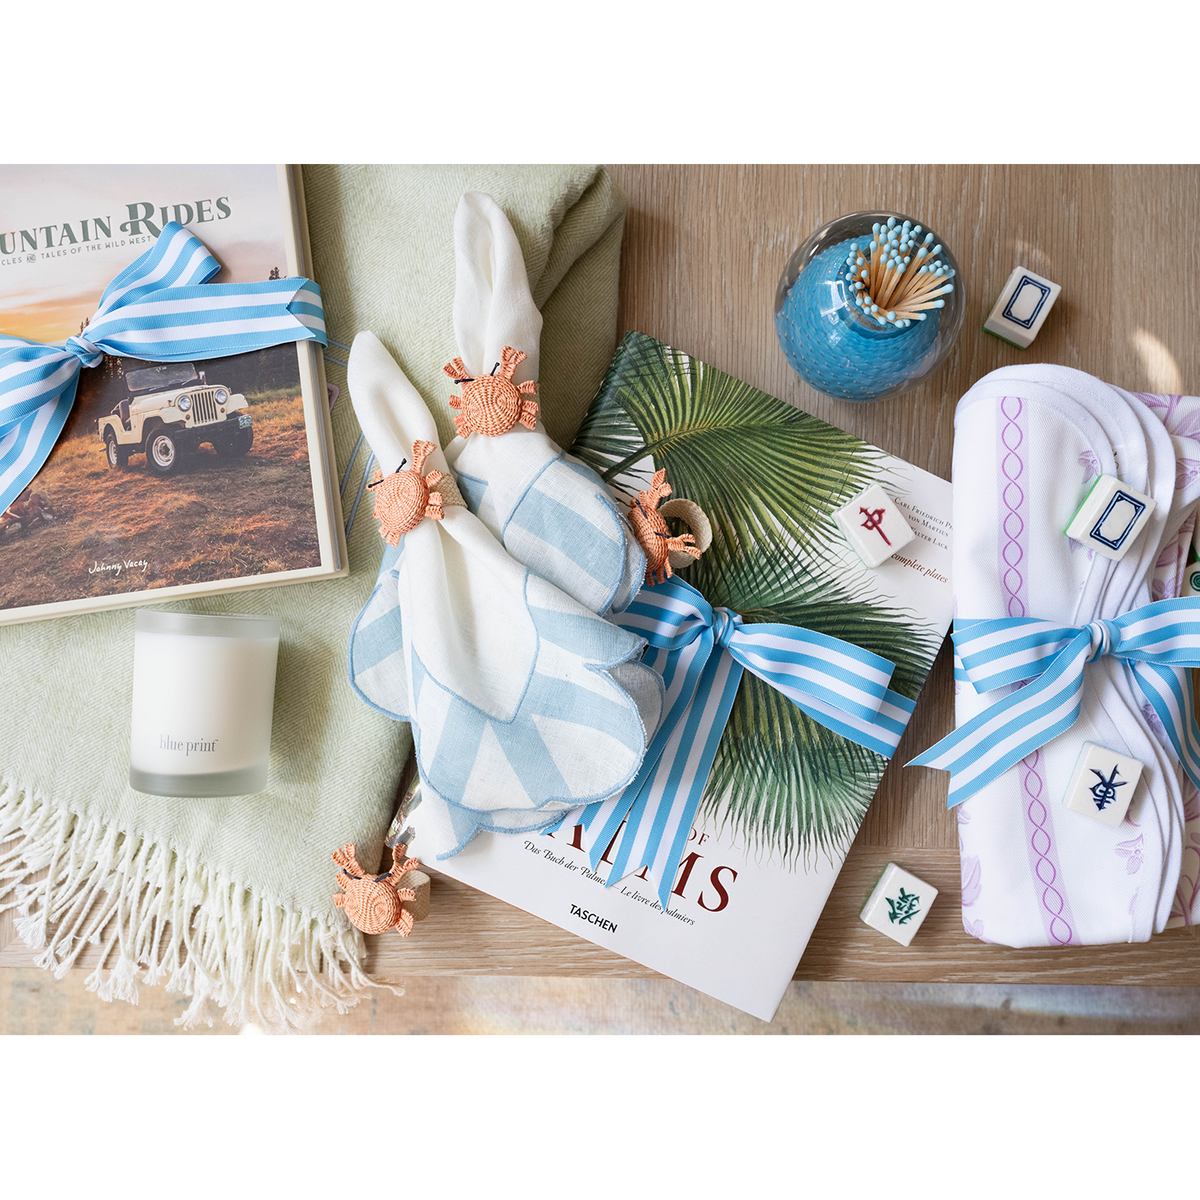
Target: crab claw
<point x="402" y="865"/>
<point x="346" y="860"/>
<point x="421" y="451"/>
<point x="511" y="359"/>
<point x="456" y="369"/>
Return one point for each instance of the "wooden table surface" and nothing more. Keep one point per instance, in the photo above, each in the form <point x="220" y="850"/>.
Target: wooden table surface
<point x="704" y="249"/>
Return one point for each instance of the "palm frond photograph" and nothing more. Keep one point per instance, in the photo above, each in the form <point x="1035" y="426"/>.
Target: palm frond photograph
<point x="734" y="450"/>
<point x="781" y="781"/>
<point x="768" y="476"/>
<point x="784" y="784"/>
<point x="762" y="591"/>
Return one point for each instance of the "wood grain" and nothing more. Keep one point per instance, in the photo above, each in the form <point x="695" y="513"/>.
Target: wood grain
<point x="704" y="249"/>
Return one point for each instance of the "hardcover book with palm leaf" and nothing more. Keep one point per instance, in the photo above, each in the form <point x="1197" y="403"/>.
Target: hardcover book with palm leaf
<point x="786" y="794"/>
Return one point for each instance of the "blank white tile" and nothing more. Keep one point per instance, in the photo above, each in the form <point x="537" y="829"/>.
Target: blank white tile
<point x="1025" y="302"/>
<point x="1111" y="517"/>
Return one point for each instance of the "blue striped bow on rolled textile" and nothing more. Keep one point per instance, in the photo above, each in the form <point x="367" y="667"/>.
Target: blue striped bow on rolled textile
<point x="838" y="684"/>
<point x="158" y="308"/>
<point x="1156" y="641"/>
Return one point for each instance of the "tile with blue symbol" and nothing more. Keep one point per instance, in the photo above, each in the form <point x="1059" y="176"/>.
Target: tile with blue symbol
<point x="899" y="904"/>
<point x="1110" y="517"/>
<point x="1103" y="784"/>
<point x="1021" y="310"/>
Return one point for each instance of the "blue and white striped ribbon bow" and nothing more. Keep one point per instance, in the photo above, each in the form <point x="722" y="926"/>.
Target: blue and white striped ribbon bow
<point x="838" y="684"/>
<point x="158" y="308"/>
<point x="1156" y="640"/>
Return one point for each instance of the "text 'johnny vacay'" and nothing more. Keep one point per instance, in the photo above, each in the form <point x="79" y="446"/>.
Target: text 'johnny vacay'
<point x="99" y="568"/>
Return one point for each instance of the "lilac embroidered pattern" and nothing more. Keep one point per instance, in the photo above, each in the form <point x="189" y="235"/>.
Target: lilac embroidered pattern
<point x="1131" y="851"/>
<point x="1041" y="846"/>
<point x="1187" y="893"/>
<point x="971" y="880"/>
<point x="1014" y="545"/>
<point x="975" y="929"/>
<point x="1154" y="723"/>
<point x="1164" y="406"/>
<point x="1014" y="542"/>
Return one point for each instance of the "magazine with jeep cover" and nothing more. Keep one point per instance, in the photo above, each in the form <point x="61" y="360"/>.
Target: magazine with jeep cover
<point x="169" y="480"/>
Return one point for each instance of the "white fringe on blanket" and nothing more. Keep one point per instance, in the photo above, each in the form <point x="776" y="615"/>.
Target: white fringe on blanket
<point x="159" y="918"/>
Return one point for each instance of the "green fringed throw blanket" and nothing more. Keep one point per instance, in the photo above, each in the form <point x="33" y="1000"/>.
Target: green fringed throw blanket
<point x="231" y="900"/>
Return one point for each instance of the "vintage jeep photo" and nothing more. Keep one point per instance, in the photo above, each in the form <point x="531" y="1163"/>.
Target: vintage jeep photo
<point x="170" y="410"/>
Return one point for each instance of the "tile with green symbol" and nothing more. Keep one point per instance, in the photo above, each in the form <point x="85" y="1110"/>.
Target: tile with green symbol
<point x="899" y="904"/>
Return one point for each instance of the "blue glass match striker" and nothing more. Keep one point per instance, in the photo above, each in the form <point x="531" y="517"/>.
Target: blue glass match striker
<point x="832" y="344"/>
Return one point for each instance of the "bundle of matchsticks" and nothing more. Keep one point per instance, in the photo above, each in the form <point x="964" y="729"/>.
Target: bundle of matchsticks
<point x="899" y="277"/>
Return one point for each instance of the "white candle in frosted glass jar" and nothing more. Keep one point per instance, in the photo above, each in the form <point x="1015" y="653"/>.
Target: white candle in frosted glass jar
<point x="203" y="695"/>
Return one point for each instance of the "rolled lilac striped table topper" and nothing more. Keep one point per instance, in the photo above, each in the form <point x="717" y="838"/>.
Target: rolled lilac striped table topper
<point x="1030" y="442"/>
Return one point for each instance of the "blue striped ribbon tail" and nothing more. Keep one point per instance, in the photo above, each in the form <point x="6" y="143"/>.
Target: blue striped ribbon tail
<point x="159" y="308"/>
<point x="838" y="684"/>
<point x="1045" y="662"/>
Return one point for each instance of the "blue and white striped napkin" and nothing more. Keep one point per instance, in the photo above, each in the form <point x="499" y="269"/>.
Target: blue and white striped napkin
<point x="523" y="702"/>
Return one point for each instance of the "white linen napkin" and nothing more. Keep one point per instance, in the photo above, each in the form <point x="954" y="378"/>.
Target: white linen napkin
<point x="1028" y="442"/>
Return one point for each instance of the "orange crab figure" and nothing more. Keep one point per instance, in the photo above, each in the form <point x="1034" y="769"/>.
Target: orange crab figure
<point x="493" y="404"/>
<point x="404" y="498"/>
<point x="374" y="903"/>
<point x="652" y="533"/>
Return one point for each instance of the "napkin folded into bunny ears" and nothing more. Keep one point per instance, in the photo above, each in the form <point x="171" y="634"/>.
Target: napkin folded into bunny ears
<point x="522" y="698"/>
<point x="550" y="511"/>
